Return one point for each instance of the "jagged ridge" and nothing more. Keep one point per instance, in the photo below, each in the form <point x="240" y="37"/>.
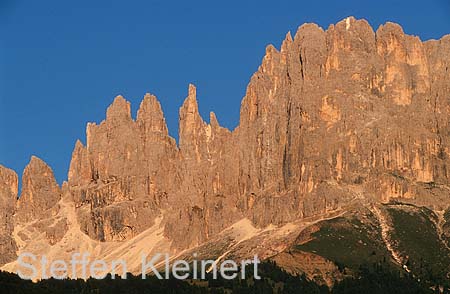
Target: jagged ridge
<point x="333" y="117"/>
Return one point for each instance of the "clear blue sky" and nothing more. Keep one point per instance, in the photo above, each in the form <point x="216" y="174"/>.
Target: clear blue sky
<point x="61" y="65"/>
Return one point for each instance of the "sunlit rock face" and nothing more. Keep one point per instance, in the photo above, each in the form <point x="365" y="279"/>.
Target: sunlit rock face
<point x="332" y="117"/>
<point x="343" y="107"/>
<point x="40" y="192"/>
<point x="121" y="179"/>
<point x="8" y="195"/>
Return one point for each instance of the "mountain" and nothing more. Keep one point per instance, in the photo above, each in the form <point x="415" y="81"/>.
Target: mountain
<point x="340" y="158"/>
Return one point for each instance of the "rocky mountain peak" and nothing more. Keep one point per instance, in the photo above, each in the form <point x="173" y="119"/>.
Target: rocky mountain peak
<point x="119" y="110"/>
<point x="150" y="115"/>
<point x="191" y="125"/>
<point x="335" y="118"/>
<point x="8" y="197"/>
<point x="9" y="182"/>
<point x="40" y="191"/>
<point x="189" y="109"/>
<point x="391" y="28"/>
<point x="80" y="171"/>
<point x="213" y="120"/>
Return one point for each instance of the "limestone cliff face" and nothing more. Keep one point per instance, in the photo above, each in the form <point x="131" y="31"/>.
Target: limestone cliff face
<point x="335" y="116"/>
<point x="8" y="195"/>
<point x="132" y="172"/>
<point x="36" y="214"/>
<point x="120" y="180"/>
<point x="40" y="192"/>
<point x="346" y="106"/>
<point x="332" y="116"/>
<point x="206" y="192"/>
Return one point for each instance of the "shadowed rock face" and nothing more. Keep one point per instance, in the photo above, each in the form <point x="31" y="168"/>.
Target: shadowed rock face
<point x="332" y="117"/>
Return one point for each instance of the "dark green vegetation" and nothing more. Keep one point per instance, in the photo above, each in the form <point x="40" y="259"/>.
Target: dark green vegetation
<point x="350" y="242"/>
<point x="355" y="240"/>
<point x="417" y="240"/>
<point x="370" y="279"/>
<point x="446" y="226"/>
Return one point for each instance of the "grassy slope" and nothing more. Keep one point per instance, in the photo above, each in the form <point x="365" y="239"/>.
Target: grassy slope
<point x="417" y="240"/>
<point x="446" y="226"/>
<point x="349" y="241"/>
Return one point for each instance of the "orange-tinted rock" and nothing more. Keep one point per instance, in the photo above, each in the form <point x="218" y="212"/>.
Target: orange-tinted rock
<point x="8" y="197"/>
<point x="40" y="192"/>
<point x="328" y="110"/>
<point x="333" y="117"/>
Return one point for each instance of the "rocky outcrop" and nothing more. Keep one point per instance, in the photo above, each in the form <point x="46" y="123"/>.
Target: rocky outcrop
<point x="40" y="192"/>
<point x="322" y="117"/>
<point x="334" y="117"/>
<point x="131" y="172"/>
<point x="206" y="190"/>
<point x="120" y="180"/>
<point x="333" y="107"/>
<point x="8" y="196"/>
